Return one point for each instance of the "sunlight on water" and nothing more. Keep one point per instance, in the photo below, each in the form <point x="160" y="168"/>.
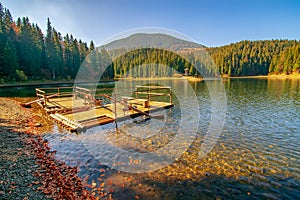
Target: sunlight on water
<point x="257" y="155"/>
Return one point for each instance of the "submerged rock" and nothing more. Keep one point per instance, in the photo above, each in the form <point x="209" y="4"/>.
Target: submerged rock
<point x="37" y="125"/>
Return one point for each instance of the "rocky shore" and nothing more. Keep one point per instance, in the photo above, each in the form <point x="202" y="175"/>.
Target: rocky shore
<point x="28" y="169"/>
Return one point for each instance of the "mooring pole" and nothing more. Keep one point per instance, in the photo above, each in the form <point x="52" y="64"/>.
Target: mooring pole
<point x="115" y="111"/>
<point x="148" y="98"/>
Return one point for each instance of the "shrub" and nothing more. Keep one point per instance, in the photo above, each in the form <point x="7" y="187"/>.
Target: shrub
<point x="21" y="75"/>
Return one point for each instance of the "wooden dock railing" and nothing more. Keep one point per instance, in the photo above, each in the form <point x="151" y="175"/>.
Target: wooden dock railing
<point x="60" y="91"/>
<point x="47" y="93"/>
<point x="142" y="93"/>
<point x="154" y="91"/>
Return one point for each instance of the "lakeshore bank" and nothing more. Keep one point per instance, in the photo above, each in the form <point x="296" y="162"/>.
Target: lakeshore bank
<point x="190" y="78"/>
<point x="29" y="169"/>
<point x="271" y="76"/>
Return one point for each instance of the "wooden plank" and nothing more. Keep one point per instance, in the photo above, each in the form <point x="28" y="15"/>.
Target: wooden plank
<point x="66" y="121"/>
<point x="69" y="120"/>
<point x="39" y="90"/>
<point x="144" y="102"/>
<point x="153" y="87"/>
<point x="154" y="93"/>
<point x="54" y="88"/>
<point x="37" y="100"/>
<point x="81" y="88"/>
<point x="97" y="121"/>
<point x="60" y="121"/>
<point x="135" y="109"/>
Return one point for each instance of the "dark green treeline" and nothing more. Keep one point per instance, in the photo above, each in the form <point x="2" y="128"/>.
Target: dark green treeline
<point x="245" y="58"/>
<point x="258" y="57"/>
<point x="154" y="62"/>
<point x="27" y="54"/>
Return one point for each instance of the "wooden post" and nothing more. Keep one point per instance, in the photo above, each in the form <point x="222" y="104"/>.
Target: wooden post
<point x="148" y="99"/>
<point x="170" y="95"/>
<point x="115" y="111"/>
<point x="45" y="100"/>
<point x="136" y="92"/>
<point x="76" y="92"/>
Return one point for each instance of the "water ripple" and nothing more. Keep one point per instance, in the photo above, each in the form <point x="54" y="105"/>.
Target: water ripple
<point x="257" y="155"/>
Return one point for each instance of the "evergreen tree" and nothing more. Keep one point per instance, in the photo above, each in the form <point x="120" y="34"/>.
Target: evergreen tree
<point x="39" y="56"/>
<point x="75" y="57"/>
<point x="10" y="60"/>
<point x="7" y="20"/>
<point x="92" y="46"/>
<point x="58" y="54"/>
<point x="26" y="50"/>
<point x="2" y="30"/>
<point x="83" y="50"/>
<point x="50" y="50"/>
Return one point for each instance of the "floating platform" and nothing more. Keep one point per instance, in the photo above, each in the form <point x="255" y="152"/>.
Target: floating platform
<point x="75" y="108"/>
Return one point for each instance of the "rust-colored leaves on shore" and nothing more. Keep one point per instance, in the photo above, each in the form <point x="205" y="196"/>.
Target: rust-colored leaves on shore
<point x="59" y="180"/>
<point x="55" y="180"/>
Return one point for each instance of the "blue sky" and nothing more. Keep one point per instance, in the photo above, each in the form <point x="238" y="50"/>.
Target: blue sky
<point x="209" y="22"/>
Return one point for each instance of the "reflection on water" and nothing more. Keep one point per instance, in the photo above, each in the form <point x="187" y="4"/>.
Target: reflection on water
<point x="257" y="155"/>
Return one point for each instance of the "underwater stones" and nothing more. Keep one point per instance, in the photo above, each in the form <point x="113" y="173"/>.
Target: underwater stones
<point x="37" y="125"/>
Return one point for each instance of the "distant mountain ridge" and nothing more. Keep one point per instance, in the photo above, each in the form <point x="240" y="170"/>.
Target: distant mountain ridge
<point x="153" y="40"/>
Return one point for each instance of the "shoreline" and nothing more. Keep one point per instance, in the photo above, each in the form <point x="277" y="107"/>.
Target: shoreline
<point x="272" y="76"/>
<point x="47" y="83"/>
<point x="29" y="169"/>
<point x="189" y="78"/>
<point x="34" y="83"/>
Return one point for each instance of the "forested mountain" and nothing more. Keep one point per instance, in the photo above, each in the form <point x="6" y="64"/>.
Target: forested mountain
<point x="155" y="40"/>
<point x="258" y="57"/>
<point x="155" y="61"/>
<point x="156" y="51"/>
<point x="28" y="54"/>
<point x="245" y="58"/>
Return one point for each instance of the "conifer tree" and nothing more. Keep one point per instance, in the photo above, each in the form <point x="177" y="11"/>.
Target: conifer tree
<point x="50" y="51"/>
<point x="10" y="60"/>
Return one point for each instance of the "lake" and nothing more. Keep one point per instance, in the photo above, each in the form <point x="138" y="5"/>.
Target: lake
<point x="256" y="156"/>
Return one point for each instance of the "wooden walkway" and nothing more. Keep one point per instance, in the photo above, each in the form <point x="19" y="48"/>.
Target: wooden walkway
<point x="77" y="109"/>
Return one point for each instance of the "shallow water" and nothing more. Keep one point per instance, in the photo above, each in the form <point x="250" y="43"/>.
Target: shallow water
<point x="257" y="155"/>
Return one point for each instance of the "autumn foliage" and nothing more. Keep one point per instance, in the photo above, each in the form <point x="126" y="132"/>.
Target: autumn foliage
<point x="59" y="180"/>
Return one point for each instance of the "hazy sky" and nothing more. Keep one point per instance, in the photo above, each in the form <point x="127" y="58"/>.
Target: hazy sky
<point x="209" y="22"/>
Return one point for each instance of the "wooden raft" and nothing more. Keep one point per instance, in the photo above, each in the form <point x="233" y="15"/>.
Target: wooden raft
<point x="65" y="122"/>
<point x="75" y="108"/>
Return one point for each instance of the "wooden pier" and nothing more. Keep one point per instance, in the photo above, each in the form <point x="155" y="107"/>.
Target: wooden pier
<point x="77" y="108"/>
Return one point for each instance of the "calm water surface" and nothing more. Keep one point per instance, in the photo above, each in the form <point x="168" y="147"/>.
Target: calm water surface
<point x="257" y="155"/>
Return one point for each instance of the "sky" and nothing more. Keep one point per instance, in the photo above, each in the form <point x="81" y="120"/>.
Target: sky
<point x="208" y="22"/>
